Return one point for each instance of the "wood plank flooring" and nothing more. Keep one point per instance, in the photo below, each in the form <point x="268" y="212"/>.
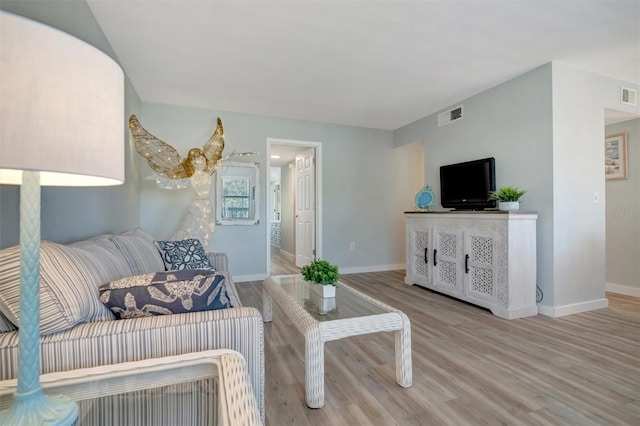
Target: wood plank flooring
<point x="469" y="367"/>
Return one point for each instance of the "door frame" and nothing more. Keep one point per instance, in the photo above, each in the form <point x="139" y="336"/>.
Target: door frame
<point x="318" y="192"/>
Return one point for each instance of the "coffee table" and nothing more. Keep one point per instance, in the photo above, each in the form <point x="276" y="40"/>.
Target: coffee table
<point x="320" y="320"/>
<point x="209" y="387"/>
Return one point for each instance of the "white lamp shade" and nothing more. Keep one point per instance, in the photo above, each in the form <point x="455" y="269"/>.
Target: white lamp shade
<point x="61" y="107"/>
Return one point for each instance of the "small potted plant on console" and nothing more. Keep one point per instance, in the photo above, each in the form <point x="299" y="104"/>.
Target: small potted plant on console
<point x="508" y="198"/>
<point x="323" y="276"/>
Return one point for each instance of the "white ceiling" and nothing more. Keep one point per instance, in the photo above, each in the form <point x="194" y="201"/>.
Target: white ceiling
<point x="378" y="64"/>
<point x="285" y="153"/>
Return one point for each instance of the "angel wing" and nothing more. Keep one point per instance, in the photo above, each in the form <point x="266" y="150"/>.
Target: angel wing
<point x="213" y="148"/>
<point x="162" y="157"/>
<point x="165" y="160"/>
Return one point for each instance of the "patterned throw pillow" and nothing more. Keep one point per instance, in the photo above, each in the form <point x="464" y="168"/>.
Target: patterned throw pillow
<point x="185" y="254"/>
<point x="164" y="293"/>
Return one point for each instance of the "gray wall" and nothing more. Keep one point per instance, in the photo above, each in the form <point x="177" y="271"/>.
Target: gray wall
<point x="358" y="186"/>
<point x="545" y="129"/>
<point x="512" y="123"/>
<point x="70" y="214"/>
<point x="579" y="102"/>
<point x="623" y="217"/>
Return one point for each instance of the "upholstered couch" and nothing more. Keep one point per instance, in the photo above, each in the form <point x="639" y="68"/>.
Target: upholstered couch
<point x="78" y="331"/>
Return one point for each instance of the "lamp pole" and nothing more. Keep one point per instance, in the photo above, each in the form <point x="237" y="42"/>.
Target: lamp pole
<point x="30" y="405"/>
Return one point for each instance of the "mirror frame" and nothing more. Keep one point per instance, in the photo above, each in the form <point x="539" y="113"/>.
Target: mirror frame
<point x="253" y="197"/>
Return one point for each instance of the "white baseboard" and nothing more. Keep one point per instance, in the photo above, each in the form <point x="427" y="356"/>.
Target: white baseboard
<point x="247" y="278"/>
<point x="373" y="268"/>
<point x="351" y="270"/>
<point x="574" y="308"/>
<point x="290" y="257"/>
<point x="622" y="289"/>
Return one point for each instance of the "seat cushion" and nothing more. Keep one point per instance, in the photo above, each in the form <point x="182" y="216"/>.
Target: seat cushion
<point x="164" y="293"/>
<point x="184" y="254"/>
<point x="137" y="247"/>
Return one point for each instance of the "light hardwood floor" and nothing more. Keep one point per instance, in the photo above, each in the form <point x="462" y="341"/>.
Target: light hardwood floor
<point x="469" y="367"/>
<point x="281" y="264"/>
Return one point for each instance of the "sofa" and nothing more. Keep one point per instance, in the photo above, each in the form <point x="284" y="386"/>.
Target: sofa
<point x="78" y="330"/>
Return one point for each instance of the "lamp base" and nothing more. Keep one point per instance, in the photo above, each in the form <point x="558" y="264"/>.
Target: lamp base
<point x="36" y="408"/>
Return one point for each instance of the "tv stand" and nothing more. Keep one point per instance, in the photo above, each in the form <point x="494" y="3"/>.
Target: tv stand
<point x="487" y="258"/>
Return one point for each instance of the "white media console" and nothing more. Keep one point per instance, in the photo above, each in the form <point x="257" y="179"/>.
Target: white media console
<point x="487" y="258"/>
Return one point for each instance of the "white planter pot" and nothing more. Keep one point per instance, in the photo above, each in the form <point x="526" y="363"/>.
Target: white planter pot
<point x="325" y="304"/>
<point x="324" y="291"/>
<point x="509" y="205"/>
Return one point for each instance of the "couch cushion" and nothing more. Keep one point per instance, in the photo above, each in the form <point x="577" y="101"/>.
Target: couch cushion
<point x="137" y="247"/>
<point x="185" y="254"/>
<point x="104" y="262"/>
<point x="68" y="294"/>
<point x="103" y="259"/>
<point x="6" y="325"/>
<point x="164" y="293"/>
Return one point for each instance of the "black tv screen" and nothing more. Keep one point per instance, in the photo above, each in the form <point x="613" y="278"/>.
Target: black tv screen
<point x="467" y="186"/>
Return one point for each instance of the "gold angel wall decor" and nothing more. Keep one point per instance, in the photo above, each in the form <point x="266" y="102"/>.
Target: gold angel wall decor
<point x="195" y="170"/>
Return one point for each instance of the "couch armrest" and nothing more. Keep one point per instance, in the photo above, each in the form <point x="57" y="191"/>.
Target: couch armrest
<point x="219" y="261"/>
<point x="112" y="342"/>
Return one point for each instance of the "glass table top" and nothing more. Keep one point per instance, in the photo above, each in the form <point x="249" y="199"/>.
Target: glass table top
<point x="348" y="302"/>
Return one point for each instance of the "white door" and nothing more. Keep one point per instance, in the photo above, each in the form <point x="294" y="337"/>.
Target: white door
<point x="305" y="208"/>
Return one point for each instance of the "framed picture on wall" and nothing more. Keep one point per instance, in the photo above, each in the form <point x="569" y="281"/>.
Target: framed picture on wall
<point x="615" y="156"/>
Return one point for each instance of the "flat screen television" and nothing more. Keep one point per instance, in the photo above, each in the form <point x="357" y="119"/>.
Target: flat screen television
<point x="467" y="186"/>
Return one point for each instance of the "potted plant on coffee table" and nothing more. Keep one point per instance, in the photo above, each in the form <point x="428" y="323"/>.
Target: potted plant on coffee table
<point x="508" y="198"/>
<point x="323" y="275"/>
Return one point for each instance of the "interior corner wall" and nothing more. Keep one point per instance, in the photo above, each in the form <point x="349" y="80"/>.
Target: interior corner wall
<point x="511" y="122"/>
<point x="623" y="217"/>
<point x="408" y="163"/>
<point x="70" y="214"/>
<point x="287" y="213"/>
<point x="579" y="240"/>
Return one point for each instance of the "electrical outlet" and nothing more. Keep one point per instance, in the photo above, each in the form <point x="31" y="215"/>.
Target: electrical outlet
<point x="352" y="246"/>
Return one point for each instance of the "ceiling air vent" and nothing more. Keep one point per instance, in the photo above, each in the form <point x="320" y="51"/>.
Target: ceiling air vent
<point x="629" y="96"/>
<point x="447" y="117"/>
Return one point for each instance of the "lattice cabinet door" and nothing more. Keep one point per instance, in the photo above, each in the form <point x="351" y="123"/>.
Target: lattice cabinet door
<point x="480" y="279"/>
<point x="420" y="254"/>
<point x="447" y="260"/>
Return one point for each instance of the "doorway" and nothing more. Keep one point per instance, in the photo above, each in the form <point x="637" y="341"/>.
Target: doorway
<point x="295" y="181"/>
<point x="623" y="210"/>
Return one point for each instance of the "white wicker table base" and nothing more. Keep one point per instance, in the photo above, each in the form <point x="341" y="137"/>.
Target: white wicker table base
<point x="316" y="333"/>
<point x="236" y="403"/>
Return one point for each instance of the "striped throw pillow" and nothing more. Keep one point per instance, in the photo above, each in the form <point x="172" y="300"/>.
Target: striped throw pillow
<point x="6" y="325"/>
<point x="67" y="293"/>
<point x="138" y="249"/>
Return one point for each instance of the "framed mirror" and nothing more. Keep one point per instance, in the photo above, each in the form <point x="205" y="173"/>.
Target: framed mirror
<point x="237" y="189"/>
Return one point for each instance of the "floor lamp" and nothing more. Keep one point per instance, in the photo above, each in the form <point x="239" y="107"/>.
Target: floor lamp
<point x="61" y="124"/>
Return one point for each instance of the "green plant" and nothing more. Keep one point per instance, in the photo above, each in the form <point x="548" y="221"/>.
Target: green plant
<point x="321" y="272"/>
<point x="507" y="194"/>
